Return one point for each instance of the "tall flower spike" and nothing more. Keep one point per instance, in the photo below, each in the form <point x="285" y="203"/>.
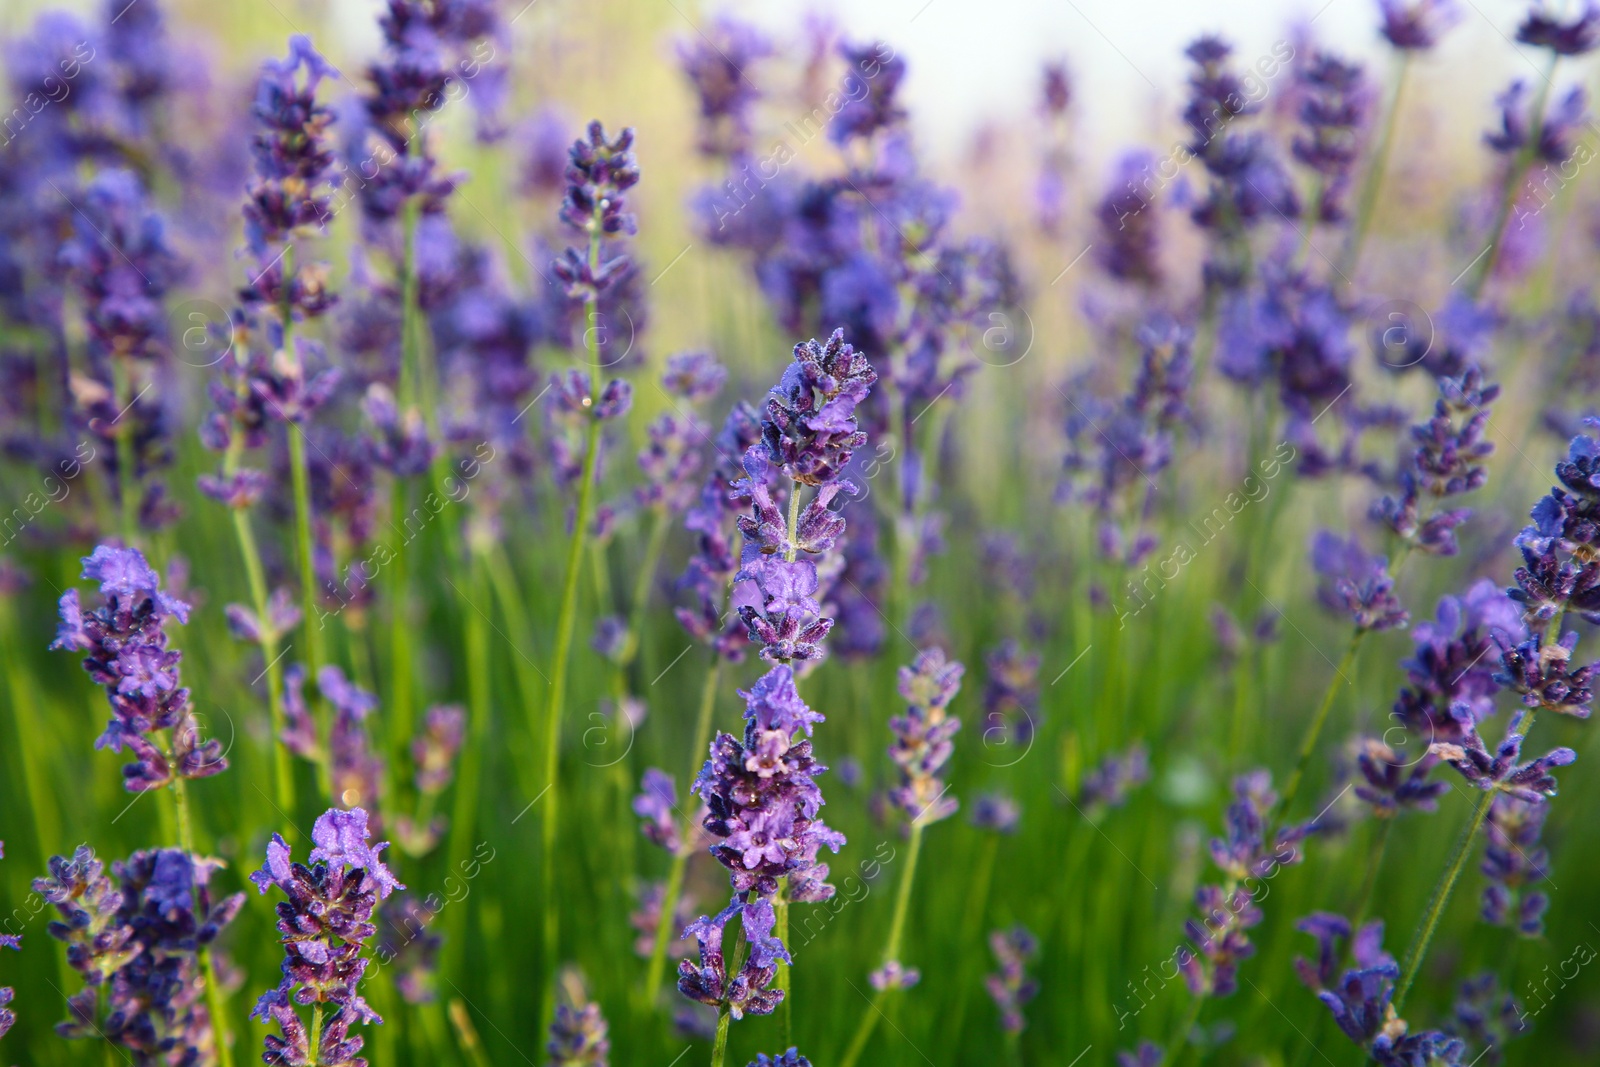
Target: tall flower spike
<point x="922" y="737"/>
<point x="326" y="921"/>
<point x="1010" y="987"/>
<point x="1513" y="862"/>
<point x="128" y="654"/>
<point x="578" y="1033"/>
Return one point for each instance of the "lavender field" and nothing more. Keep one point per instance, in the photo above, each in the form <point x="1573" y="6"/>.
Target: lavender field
<point x="629" y="533"/>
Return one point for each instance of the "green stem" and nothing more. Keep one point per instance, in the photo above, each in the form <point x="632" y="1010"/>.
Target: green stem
<point x="400" y="655"/>
<point x="1372" y="181"/>
<point x="646" y="580"/>
<point x="1308" y="744"/>
<point x="1441" y="898"/>
<point x="719" y="1046"/>
<point x="215" y="1004"/>
<point x="283" y="769"/>
<point x="891" y="952"/>
<point x="463" y="817"/>
<point x="315" y="1035"/>
<point x="566" y="622"/>
<point x="1180" y="1040"/>
<point x="127" y="476"/>
<point x="680" y="861"/>
<point x="784" y="979"/>
<point x="1370" y="883"/>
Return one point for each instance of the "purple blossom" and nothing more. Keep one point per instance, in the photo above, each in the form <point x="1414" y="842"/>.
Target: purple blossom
<point x="578" y="1033"/>
<point x="126" y="642"/>
<point x="1417" y="25"/>
<point x="1500" y="770"/>
<point x="1392" y="786"/>
<point x="1108" y="784"/>
<point x="406" y="943"/>
<point x="1010" y="987"/>
<point x="1333" y="109"/>
<point x="1542" y="674"/>
<point x="657" y="804"/>
<point x="326" y="921"/>
<point x="716" y="61"/>
<point x="922" y="737"/>
<point x="789" y="1058"/>
<point x="1355" y="584"/>
<point x="434" y="749"/>
<point x="808" y="421"/>
<point x="996" y="812"/>
<point x="1557" y="129"/>
<point x="1451" y="663"/>
<point x="745" y="992"/>
<point x="1577" y="36"/>
<point x="871" y="86"/>
<point x="1514" y="861"/>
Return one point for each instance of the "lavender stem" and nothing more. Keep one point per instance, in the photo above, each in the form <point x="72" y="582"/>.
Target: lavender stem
<point x="1314" y="731"/>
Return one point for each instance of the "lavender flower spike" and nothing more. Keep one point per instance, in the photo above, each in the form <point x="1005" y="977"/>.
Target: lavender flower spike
<point x="1010" y="987"/>
<point x="126" y="642"/>
<point x="922" y="736"/>
<point x="326" y="922"/>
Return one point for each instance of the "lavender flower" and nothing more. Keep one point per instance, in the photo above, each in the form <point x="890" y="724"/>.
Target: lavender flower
<point x="1148" y="1054"/>
<point x="434" y="749"/>
<point x="745" y="992"/>
<point x="1333" y="110"/>
<point x="126" y="642"/>
<point x="1109" y="783"/>
<point x="1129" y="224"/>
<point x="762" y="797"/>
<point x="138" y="941"/>
<point x="1011" y="693"/>
<point x="1010" y="987"/>
<point x="406" y="943"/>
<point x="1451" y="663"/>
<point x="1578" y="36"/>
<point x="715" y="61"/>
<point x="790" y="1058"/>
<point x="646" y="919"/>
<point x="875" y="68"/>
<point x="1557" y="128"/>
<point x="578" y="1031"/>
<point x="1514" y="861"/>
<point x="922" y="737"/>
<point x="1356" y="584"/>
<point x="1499" y="770"/>
<point x="658" y="806"/>
<point x="1393" y="786"/>
<point x="995" y="812"/>
<point x="1489" y="1018"/>
<point x="809" y="420"/>
<point x="326" y="921"/>
<point x="1417" y="25"/>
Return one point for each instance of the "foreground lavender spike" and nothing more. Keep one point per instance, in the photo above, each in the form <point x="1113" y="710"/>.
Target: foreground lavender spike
<point x="128" y="654"/>
<point x="326" y="921"/>
<point x="137" y="943"/>
<point x="578" y="1033"/>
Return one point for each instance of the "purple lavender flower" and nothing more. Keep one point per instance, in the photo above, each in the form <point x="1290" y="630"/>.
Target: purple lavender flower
<point x="808" y="422"/>
<point x="716" y="61"/>
<point x="1332" y="111"/>
<point x="646" y="919"/>
<point x="126" y="642"/>
<point x="578" y="1033"/>
<point x="922" y="737"/>
<point x="658" y="806"/>
<point x="762" y="797"/>
<point x="406" y="943"/>
<point x="1129" y="223"/>
<point x="790" y="1058"/>
<point x="894" y="975"/>
<point x="1578" y="36"/>
<point x="1417" y="25"/>
<point x="1010" y="693"/>
<point x="434" y="749"/>
<point x="1355" y="584"/>
<point x="1116" y="776"/>
<point x="1010" y="987"/>
<point x="1542" y="674"/>
<point x="875" y="69"/>
<point x="1392" y="785"/>
<point x="1499" y="770"/>
<point x="138" y="941"/>
<point x="745" y="992"/>
<point x="326" y="921"/>
<point x="1557" y="128"/>
<point x="1513" y="861"/>
<point x="1451" y="663"/>
<point x="1489" y="1018"/>
<point x="1148" y="1054"/>
<point x="995" y="812"/>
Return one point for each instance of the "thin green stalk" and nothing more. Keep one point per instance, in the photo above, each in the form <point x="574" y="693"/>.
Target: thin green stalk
<point x="463" y="817"/>
<point x="1372" y="181"/>
<point x="1418" y="952"/>
<point x="215" y="1004"/>
<point x="784" y="979"/>
<point x="567" y="619"/>
<point x="680" y="861"/>
<point x="1370" y="883"/>
<point x="1180" y="1040"/>
<point x="891" y="953"/>
<point x="719" y="1046"/>
<point x="315" y="1035"/>
<point x="1516" y="171"/>
<point x="283" y="769"/>
<point x="32" y="754"/>
<point x="127" y="475"/>
<point x="645" y="581"/>
<point x="400" y="655"/>
<point x="1308" y="744"/>
<point x="467" y="1034"/>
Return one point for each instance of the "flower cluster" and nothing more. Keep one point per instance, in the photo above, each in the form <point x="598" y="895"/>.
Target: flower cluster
<point x="1332" y="111"/>
<point x="136" y="941"/>
<point x="1251" y="852"/>
<point x="1355" y="584"/>
<point x="1417" y="25"/>
<point x="1010" y="694"/>
<point x="1513" y="861"/>
<point x="578" y="1033"/>
<point x="715" y="61"/>
<point x="1116" y="776"/>
<point x="1010" y="987"/>
<point x="128" y="654"/>
<point x="326" y="922"/>
<point x="922" y="737"/>
<point x="745" y="991"/>
<point x="1452" y="663"/>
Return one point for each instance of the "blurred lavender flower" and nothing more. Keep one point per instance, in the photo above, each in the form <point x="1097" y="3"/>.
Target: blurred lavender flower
<point x="326" y="921"/>
<point x="1513" y="861"/>
<point x="1577" y="36"/>
<point x="1010" y="987"/>
<point x="1010" y="693"/>
<point x="996" y="812"/>
<point x="1393" y="786"/>
<point x="658" y="806"/>
<point x="789" y="1058"/>
<point x="1557" y="128"/>
<point x="922" y="737"/>
<point x="406" y="943"/>
<point x="1489" y="1018"/>
<point x="1450" y="664"/>
<point x="434" y="749"/>
<point x="1129" y="223"/>
<point x="1355" y="584"/>
<point x="646" y="919"/>
<point x="1109" y="783"/>
<point x="712" y="519"/>
<point x="1148" y="1054"/>
<point x="578" y="1033"/>
<point x="1447" y="462"/>
<point x="875" y="69"/>
<point x="1417" y="25"/>
<point x="126" y="642"/>
<point x="716" y="61"/>
<point x="1333" y="110"/>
